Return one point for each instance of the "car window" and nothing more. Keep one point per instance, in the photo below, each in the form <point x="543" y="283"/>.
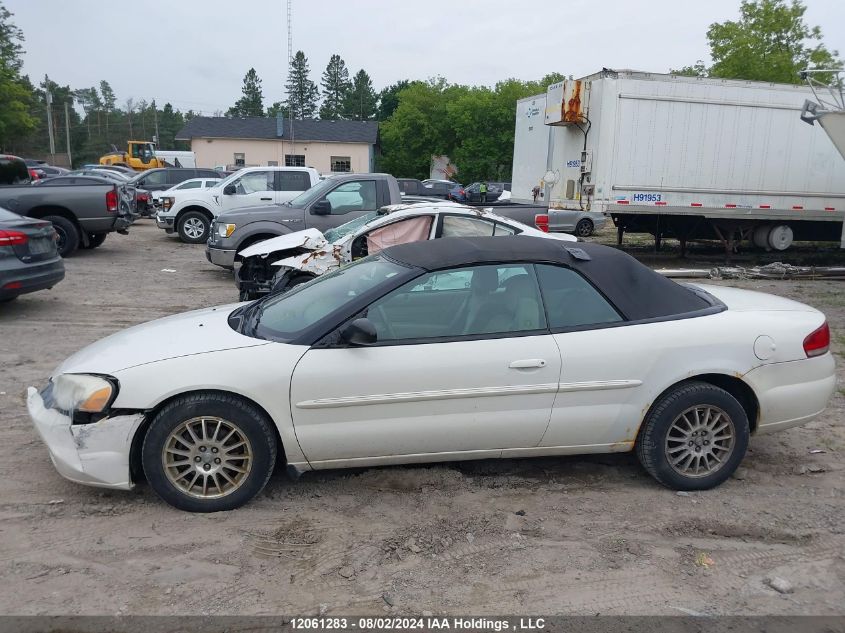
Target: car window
<point x="294" y="180"/>
<point x="470" y="301"/>
<point x="175" y="176"/>
<point x="570" y="299"/>
<point x="254" y="182"/>
<point x="153" y="178"/>
<point x="503" y="229"/>
<point x="353" y="196"/>
<point x="285" y="315"/>
<point x="464" y="226"/>
<point x="192" y="184"/>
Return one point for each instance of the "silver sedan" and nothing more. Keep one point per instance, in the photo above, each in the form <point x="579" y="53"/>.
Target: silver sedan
<point x="581" y="223"/>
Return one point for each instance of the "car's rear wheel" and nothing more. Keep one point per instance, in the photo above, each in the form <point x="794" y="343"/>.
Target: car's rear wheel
<point x="95" y="240"/>
<point x="194" y="227"/>
<point x="208" y="452"/>
<point x="694" y="437"/>
<point x="68" y="237"/>
<point x="584" y="228"/>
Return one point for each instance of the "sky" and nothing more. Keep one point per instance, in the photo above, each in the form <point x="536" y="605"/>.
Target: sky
<point x="195" y="53"/>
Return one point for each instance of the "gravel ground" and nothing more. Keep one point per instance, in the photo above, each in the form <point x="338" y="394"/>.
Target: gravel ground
<point x="564" y="535"/>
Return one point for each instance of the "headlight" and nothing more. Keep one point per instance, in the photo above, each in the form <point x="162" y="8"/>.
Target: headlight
<point x="81" y="392"/>
<point x="167" y="202"/>
<point x="225" y="230"/>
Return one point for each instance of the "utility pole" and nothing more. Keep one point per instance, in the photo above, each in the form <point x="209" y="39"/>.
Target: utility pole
<point x="67" y="136"/>
<point x="49" y="100"/>
<point x="290" y="60"/>
<point x="155" y="121"/>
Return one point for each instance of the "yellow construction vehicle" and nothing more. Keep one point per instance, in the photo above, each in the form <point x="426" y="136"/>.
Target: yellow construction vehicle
<point x="139" y="155"/>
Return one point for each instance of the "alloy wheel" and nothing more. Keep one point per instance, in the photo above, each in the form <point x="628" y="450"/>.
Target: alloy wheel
<point x="700" y="441"/>
<point x="207" y="457"/>
<point x="194" y="228"/>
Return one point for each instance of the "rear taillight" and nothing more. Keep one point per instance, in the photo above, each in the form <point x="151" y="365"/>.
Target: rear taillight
<point x="111" y="201"/>
<point x="541" y="221"/>
<point x="143" y="197"/>
<point x="34" y="174"/>
<point x="12" y="238"/>
<point x="817" y="342"/>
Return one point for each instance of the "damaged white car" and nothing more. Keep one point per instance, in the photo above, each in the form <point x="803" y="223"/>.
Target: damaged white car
<point x="454" y="349"/>
<point x="280" y="263"/>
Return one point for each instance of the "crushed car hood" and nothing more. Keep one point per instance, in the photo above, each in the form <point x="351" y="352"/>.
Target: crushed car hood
<point x="186" y="334"/>
<point x="311" y="239"/>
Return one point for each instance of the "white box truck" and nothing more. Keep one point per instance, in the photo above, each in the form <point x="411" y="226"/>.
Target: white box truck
<point x="682" y="157"/>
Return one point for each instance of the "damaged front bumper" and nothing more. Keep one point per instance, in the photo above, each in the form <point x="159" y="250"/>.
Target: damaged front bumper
<point x="95" y="454"/>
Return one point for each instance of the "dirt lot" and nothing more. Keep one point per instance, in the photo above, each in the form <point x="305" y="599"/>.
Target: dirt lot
<point x="568" y="535"/>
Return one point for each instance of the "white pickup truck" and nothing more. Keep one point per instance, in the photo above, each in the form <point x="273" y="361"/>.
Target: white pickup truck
<point x="191" y="212"/>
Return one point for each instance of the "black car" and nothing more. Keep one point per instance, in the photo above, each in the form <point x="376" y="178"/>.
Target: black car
<point x="164" y="178"/>
<point x="29" y="257"/>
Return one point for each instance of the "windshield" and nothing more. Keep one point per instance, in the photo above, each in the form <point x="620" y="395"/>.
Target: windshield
<point x="283" y="317"/>
<point x="314" y="193"/>
<point x="333" y="235"/>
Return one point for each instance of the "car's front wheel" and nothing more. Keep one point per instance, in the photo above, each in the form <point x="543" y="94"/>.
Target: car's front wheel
<point x="67" y="237"/>
<point x="694" y="437"/>
<point x="193" y="227"/>
<point x="207" y="452"/>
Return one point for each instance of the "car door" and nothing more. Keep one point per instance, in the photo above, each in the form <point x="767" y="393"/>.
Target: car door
<point x="601" y="399"/>
<point x="347" y="201"/>
<point x="463" y="366"/>
<point x="252" y="188"/>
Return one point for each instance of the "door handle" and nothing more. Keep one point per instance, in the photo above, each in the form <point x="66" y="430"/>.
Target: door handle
<point x="528" y="363"/>
<point x="266" y="198"/>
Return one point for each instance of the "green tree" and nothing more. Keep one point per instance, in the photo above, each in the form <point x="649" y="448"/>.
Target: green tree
<point x="277" y="108"/>
<point x="388" y="99"/>
<point x="252" y="101"/>
<point x="336" y="86"/>
<point x="302" y="92"/>
<point x="419" y="128"/>
<point x="109" y="101"/>
<point x="770" y="42"/>
<point x="361" y="101"/>
<point x="16" y="95"/>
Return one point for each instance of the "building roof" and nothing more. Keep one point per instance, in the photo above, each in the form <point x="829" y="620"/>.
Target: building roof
<point x="264" y="128"/>
<point x="636" y="290"/>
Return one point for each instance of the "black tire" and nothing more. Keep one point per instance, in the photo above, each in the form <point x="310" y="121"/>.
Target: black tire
<point x="584" y="228"/>
<point x="251" y="423"/>
<point x="187" y="225"/>
<point x="286" y="283"/>
<point x="69" y="237"/>
<point x="652" y="446"/>
<point x="95" y="240"/>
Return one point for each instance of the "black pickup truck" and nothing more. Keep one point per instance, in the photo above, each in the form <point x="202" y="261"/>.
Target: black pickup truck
<point x="82" y="213"/>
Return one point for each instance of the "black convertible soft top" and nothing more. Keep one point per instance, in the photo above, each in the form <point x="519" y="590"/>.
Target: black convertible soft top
<point x="636" y="290"/>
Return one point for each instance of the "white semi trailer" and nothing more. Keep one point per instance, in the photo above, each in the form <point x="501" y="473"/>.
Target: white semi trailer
<point x="682" y="157"/>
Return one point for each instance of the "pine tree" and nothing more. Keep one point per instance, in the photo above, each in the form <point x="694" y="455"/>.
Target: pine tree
<point x="252" y="101"/>
<point x="336" y="85"/>
<point x="109" y="101"/>
<point x="302" y="92"/>
<point x="361" y="101"/>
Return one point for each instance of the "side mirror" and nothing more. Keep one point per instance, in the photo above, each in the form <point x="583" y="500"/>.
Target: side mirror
<point x="322" y="207"/>
<point x="359" y="332"/>
<point x="229" y="190"/>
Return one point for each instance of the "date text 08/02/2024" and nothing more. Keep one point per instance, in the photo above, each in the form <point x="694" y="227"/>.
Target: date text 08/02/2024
<point x="411" y="623"/>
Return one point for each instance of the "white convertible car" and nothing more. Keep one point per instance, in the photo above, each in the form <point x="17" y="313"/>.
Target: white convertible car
<point x="453" y="349"/>
<point x="281" y="263"/>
